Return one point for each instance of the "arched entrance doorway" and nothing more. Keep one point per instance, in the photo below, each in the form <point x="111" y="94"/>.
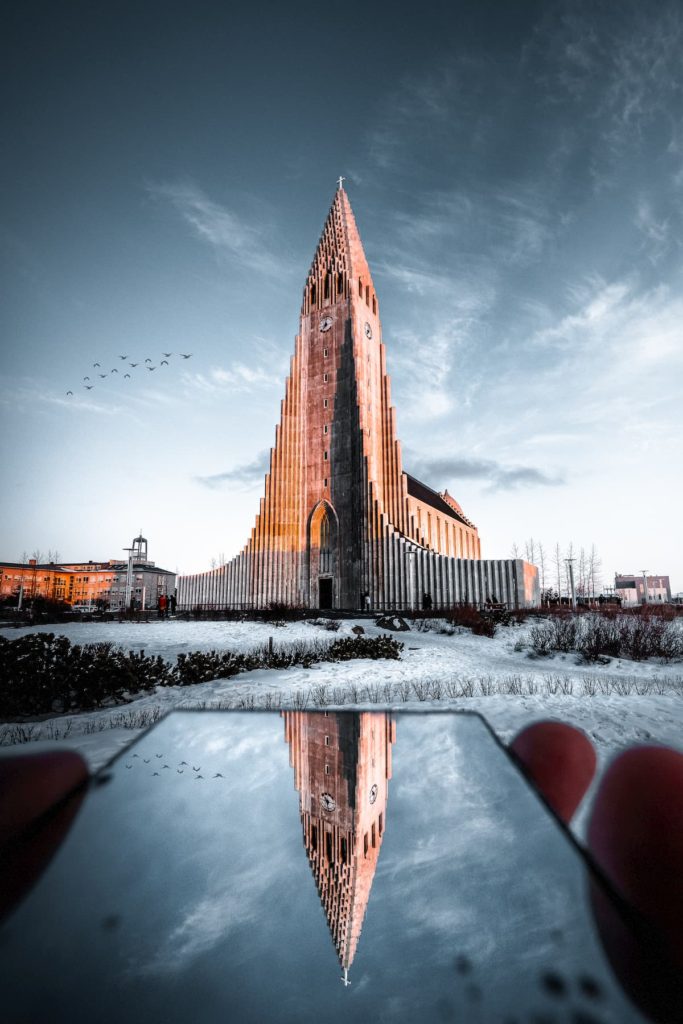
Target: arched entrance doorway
<point x="323" y="538"/>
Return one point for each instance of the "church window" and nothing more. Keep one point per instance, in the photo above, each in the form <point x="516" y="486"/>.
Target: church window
<point x="324" y="403"/>
<point x="374" y="835"/>
<point x="367" y="295"/>
<point x="325" y="378"/>
<point x="365" y="845"/>
<point x="344" y="850"/>
<point x="327" y="769"/>
<point x="325" y="429"/>
<point x="374" y="304"/>
<point x="381" y="823"/>
<point x="328" y="846"/>
<point x="326" y="352"/>
<point x="360" y="287"/>
<point x="313" y="295"/>
<point x="325" y="482"/>
<point x="327" y="741"/>
<point x="327" y="285"/>
<point x="314" y="837"/>
<point x="325" y="456"/>
<point x="340" y="284"/>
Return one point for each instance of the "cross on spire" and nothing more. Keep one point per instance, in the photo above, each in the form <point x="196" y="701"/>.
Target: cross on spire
<point x="339" y="182"/>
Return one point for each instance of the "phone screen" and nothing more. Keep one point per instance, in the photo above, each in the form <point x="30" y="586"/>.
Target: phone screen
<point x="290" y="867"/>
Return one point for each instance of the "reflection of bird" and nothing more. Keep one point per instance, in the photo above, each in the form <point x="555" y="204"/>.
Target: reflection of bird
<point x="188" y="356"/>
<point x="147" y="759"/>
<point x="164" y="766"/>
<point x="155" y="773"/>
<point x="159" y="756"/>
<point x="102" y="375"/>
<point x="69" y="392"/>
<point x="89" y="387"/>
<point x="96" y="364"/>
<point x="123" y="357"/>
<point x="218" y="775"/>
<point x="167" y="354"/>
<point x="184" y="762"/>
<point x="126" y="375"/>
<point x="86" y="378"/>
<point x="114" y="370"/>
<point x="148" y="360"/>
<point x="180" y="771"/>
<point x="129" y="766"/>
<point x="164" y="362"/>
<point x="136" y="755"/>
<point x="196" y="769"/>
<point x="133" y="365"/>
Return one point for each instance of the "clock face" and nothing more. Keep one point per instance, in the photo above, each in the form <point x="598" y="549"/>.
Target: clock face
<point x="368" y="330"/>
<point x="373" y="793"/>
<point x="326" y="323"/>
<point x="327" y="802"/>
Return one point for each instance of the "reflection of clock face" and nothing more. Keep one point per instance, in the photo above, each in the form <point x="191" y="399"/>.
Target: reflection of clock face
<point x="368" y="331"/>
<point x="327" y="802"/>
<point x="326" y="323"/>
<point x="373" y="793"/>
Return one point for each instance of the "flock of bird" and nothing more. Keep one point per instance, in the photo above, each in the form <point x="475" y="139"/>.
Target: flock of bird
<point x="180" y="769"/>
<point x="88" y="385"/>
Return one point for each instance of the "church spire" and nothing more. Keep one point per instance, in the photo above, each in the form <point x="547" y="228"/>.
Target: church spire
<point x="339" y="269"/>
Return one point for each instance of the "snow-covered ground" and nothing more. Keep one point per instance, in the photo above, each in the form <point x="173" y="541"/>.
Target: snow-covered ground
<point x="617" y="704"/>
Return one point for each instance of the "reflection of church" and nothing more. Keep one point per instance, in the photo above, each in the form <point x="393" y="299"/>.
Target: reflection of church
<point x="342" y="766"/>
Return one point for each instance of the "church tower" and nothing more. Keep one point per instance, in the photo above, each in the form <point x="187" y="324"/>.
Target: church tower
<point x="342" y="767"/>
<point x="341" y="524"/>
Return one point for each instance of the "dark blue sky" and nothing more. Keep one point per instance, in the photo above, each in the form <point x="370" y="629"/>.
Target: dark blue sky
<point x="517" y="175"/>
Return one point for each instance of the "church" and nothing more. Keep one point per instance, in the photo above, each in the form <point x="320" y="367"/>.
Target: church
<point x="341" y="523"/>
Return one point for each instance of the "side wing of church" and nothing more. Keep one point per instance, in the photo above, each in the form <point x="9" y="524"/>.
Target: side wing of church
<point x="341" y="524"/>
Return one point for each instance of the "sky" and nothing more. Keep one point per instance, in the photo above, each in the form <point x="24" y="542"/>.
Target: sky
<point x="516" y="172"/>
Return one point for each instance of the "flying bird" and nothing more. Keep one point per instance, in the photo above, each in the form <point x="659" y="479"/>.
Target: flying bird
<point x="126" y="375"/>
<point x="88" y="387"/>
<point x="114" y="370"/>
<point x="196" y="769"/>
<point x="150" y="367"/>
<point x="129" y="766"/>
<point x="218" y="775"/>
<point x="123" y="357"/>
<point x="69" y="392"/>
<point x="155" y="773"/>
<point x="148" y="360"/>
<point x="86" y="378"/>
<point x="164" y="362"/>
<point x="188" y="356"/>
<point x="184" y="762"/>
<point x="102" y="375"/>
<point x="147" y="759"/>
<point x="133" y="365"/>
<point x="199" y="776"/>
<point x="167" y="354"/>
<point x="96" y="364"/>
<point x="180" y="771"/>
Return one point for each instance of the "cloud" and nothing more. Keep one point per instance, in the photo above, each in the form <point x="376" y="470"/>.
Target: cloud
<point x="226" y="231"/>
<point x="239" y="377"/>
<point x="497" y="476"/>
<point x="247" y="475"/>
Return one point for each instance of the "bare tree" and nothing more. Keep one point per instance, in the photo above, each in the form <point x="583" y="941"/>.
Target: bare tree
<point x="38" y="555"/>
<point x="558" y="563"/>
<point x="213" y="563"/>
<point x="540" y="555"/>
<point x="530" y="550"/>
<point x="221" y="558"/>
<point x="594" y="570"/>
<point x="582" y="587"/>
<point x="514" y="550"/>
<point x="53" y="555"/>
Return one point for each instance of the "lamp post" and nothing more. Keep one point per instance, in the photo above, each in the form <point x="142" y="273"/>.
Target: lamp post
<point x="570" y="577"/>
<point x="645" y="593"/>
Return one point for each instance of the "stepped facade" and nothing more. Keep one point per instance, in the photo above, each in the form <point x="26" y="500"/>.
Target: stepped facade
<point x="341" y="523"/>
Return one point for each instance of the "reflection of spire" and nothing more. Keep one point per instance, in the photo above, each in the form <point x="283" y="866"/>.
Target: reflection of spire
<point x="342" y="764"/>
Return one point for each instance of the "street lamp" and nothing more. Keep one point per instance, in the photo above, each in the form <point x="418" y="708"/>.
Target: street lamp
<point x="644" y="572"/>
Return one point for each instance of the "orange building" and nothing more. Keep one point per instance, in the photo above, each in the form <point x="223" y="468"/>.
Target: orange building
<point x="341" y="523"/>
<point x="342" y="767"/>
